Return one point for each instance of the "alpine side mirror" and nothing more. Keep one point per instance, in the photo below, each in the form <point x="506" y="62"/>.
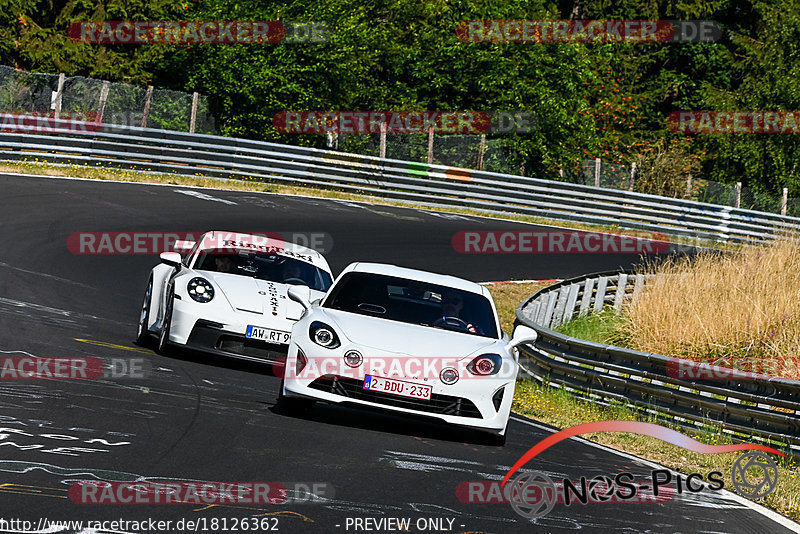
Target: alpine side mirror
<point x="523" y="334"/>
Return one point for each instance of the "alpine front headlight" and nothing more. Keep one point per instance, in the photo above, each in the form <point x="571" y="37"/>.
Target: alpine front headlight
<point x="485" y="364"/>
<point x="200" y="289"/>
<point x="323" y="335"/>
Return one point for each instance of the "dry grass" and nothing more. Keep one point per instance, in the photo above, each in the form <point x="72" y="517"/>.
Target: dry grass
<point x="736" y="307"/>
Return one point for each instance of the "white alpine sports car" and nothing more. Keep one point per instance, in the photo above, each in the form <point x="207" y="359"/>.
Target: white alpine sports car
<point x="407" y="341"/>
<point x="226" y="294"/>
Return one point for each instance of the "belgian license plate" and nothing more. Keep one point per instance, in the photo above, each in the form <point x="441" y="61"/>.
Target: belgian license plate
<point x="266" y="334"/>
<point x="397" y="387"/>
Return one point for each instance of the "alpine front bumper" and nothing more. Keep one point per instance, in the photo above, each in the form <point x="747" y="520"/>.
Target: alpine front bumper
<point x="482" y="403"/>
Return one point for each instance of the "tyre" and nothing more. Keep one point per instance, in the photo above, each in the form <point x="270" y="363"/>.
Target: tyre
<point x="495" y="440"/>
<point x="142" y="335"/>
<point x="163" y="338"/>
<point x="292" y="405"/>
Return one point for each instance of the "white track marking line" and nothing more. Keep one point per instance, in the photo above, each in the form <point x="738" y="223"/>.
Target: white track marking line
<point x="204" y="196"/>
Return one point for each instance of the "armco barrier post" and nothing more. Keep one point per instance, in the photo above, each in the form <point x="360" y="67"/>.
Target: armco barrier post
<point x="384" y="127"/>
<point x="193" y="116"/>
<point x="103" y="97"/>
<point x="785" y="200"/>
<point x="481" y="150"/>
<point x="59" y="92"/>
<point x="430" y="145"/>
<point x="633" y="176"/>
<point x="597" y="172"/>
<point x="147" y="98"/>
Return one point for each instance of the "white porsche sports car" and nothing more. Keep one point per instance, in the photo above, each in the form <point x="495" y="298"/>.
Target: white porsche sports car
<point x="406" y="341"/>
<point x="226" y="294"/>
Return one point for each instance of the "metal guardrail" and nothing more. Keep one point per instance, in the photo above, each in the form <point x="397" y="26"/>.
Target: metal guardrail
<point x="747" y="407"/>
<point x="429" y="185"/>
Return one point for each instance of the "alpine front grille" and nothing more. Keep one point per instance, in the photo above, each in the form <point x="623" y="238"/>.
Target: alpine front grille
<point x="439" y="404"/>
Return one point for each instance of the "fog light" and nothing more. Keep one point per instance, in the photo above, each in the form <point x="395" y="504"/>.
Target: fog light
<point x="497" y="398"/>
<point x="301" y="362"/>
<point x="449" y="375"/>
<point x="353" y="358"/>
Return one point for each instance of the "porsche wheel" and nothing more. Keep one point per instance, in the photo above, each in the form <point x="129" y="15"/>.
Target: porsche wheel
<point x="495" y="440"/>
<point x="163" y="338"/>
<point x="142" y="335"/>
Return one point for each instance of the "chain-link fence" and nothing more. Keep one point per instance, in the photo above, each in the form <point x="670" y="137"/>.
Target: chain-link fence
<point x="463" y="151"/>
<point x="617" y="176"/>
<point x="124" y="104"/>
<point x="106" y="102"/>
<point x="496" y="155"/>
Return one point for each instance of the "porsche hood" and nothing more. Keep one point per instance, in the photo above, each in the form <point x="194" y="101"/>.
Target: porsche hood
<point x="256" y="296"/>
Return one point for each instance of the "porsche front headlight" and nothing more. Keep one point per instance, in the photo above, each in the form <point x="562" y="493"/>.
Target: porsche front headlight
<point x="200" y="290"/>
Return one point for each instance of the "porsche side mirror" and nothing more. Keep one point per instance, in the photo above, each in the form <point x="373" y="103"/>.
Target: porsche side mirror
<point x="301" y="295"/>
<point x="173" y="259"/>
<point x="182" y="247"/>
<point x="523" y="334"/>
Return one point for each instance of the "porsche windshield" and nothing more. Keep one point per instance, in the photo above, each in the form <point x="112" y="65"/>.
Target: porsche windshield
<point x="264" y="266"/>
<point x="414" y="302"/>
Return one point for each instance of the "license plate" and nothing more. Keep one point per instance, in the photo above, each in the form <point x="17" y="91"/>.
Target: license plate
<point x="397" y="387"/>
<point x="265" y="334"/>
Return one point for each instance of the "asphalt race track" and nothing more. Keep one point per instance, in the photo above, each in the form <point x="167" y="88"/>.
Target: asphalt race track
<point x="200" y="419"/>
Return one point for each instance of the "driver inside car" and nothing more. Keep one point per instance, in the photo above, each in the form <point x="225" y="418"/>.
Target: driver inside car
<point x="224" y="264"/>
<point x="292" y="272"/>
<point x="453" y="306"/>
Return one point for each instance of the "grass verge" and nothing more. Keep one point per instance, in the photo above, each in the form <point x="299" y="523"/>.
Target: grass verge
<point x="562" y="409"/>
<point x="600" y="327"/>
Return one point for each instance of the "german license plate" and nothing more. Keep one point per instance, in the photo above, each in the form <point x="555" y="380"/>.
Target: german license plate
<point x="397" y="387"/>
<point x="266" y="334"/>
